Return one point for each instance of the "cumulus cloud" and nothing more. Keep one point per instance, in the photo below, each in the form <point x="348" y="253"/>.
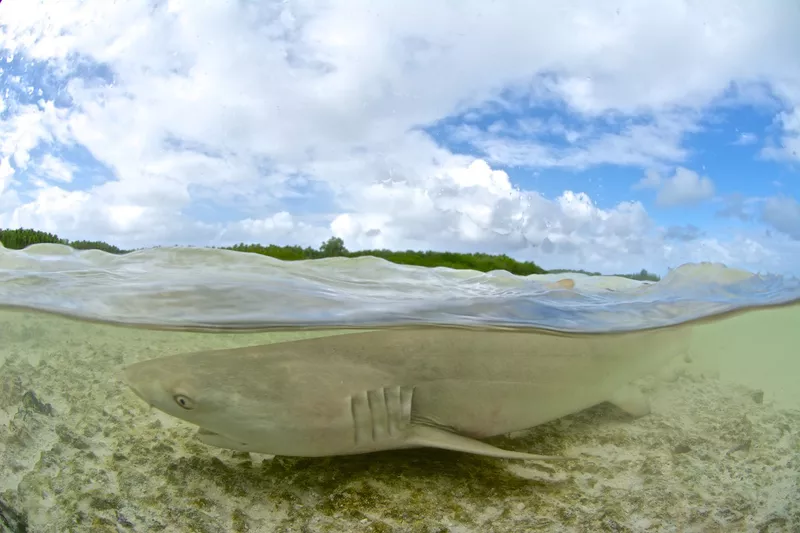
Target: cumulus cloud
<point x="389" y="124"/>
<point x="478" y="208"/>
<point x="685" y="187"/>
<point x="651" y="180"/>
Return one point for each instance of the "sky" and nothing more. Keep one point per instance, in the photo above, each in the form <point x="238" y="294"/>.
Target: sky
<point x="607" y="136"/>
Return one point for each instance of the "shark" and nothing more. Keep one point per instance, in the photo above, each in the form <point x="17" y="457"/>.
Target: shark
<point x="378" y="390"/>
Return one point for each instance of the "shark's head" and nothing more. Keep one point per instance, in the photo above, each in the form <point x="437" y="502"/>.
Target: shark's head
<point x="206" y="390"/>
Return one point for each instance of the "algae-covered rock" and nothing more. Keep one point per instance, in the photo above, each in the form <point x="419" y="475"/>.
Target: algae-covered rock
<point x="11" y="520"/>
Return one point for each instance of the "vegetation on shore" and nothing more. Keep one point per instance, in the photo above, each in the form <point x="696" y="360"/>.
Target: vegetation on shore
<point x="334" y="247"/>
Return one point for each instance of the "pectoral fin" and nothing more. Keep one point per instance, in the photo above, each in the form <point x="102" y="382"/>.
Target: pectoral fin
<point x="428" y="436"/>
<point x="214" y="439"/>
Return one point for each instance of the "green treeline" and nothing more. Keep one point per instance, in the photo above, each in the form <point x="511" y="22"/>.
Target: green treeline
<point x="17" y="239"/>
<point x="642" y="275"/>
<point x="334" y="247"/>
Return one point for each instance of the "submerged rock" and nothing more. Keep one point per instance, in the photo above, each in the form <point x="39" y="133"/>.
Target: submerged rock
<point x="32" y="402"/>
<point x="11" y="521"/>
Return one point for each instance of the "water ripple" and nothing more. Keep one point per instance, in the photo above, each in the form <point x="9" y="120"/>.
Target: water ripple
<point x="198" y="287"/>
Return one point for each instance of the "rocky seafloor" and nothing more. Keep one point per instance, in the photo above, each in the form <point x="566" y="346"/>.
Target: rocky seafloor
<point x="79" y="452"/>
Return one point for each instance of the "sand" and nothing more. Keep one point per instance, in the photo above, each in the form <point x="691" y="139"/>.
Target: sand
<point x="79" y="452"/>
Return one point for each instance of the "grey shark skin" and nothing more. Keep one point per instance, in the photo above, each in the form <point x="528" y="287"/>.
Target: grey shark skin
<point x="391" y="389"/>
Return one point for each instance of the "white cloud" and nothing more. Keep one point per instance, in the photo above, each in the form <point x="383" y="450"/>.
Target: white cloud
<point x="746" y="138"/>
<point x="77" y="212"/>
<point x="685" y="187"/>
<point x="281" y="228"/>
<point x="744" y="251"/>
<point x="477" y="209"/>
<point x="305" y="118"/>
<point x="788" y="147"/>
<point x="29" y="126"/>
<point x="651" y="180"/>
<point x="6" y="173"/>
<point x="655" y="143"/>
<point x="55" y="169"/>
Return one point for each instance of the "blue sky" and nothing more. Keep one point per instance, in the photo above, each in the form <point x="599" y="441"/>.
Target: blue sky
<point x="605" y="137"/>
<point x="728" y="146"/>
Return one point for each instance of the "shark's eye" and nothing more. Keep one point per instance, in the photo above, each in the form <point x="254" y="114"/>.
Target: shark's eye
<point x="184" y="401"/>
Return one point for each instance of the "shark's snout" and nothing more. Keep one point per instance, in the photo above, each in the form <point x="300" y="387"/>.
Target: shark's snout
<point x="131" y="377"/>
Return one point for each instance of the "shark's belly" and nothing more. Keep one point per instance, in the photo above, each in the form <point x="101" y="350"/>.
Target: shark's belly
<point x="383" y="418"/>
<point x="484" y="408"/>
<point x="502" y="392"/>
<point x="343" y="424"/>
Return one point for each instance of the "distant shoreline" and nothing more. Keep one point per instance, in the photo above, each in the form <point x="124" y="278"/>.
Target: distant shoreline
<point x="17" y="239"/>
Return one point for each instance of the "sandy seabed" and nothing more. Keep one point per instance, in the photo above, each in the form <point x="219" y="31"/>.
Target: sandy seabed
<point x="79" y="452"/>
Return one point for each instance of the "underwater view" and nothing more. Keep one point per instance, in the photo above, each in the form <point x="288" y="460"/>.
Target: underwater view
<point x="204" y="390"/>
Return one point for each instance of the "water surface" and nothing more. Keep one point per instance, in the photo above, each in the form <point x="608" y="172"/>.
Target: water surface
<point x="195" y="287"/>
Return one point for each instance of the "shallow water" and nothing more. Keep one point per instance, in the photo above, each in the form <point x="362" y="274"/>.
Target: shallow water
<point x="719" y="451"/>
<point x="218" y="289"/>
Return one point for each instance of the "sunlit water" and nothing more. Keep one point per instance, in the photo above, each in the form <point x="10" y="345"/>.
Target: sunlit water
<point x="720" y="450"/>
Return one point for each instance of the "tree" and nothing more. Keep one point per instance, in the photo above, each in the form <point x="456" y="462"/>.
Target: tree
<point x="17" y="239"/>
<point x="333" y="247"/>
